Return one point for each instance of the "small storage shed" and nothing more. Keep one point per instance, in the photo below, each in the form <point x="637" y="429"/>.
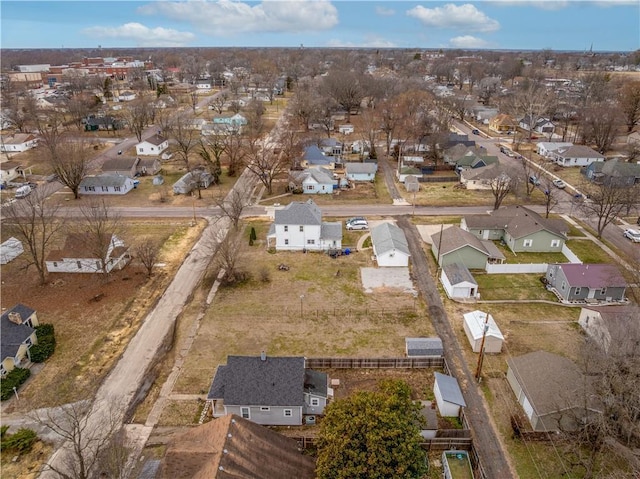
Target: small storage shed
<point x="423" y="347"/>
<point x="474" y="324"/>
<point x="458" y="281"/>
<point x="448" y="395"/>
<point x="390" y="246"/>
<point x="10" y="250"/>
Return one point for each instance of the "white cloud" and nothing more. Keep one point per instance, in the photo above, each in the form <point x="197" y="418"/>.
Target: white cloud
<point x="369" y="42"/>
<point x="230" y="17"/>
<point x="468" y="42"/>
<point x="542" y="4"/>
<point x="463" y="17"/>
<point x="142" y="35"/>
<point x="385" y="12"/>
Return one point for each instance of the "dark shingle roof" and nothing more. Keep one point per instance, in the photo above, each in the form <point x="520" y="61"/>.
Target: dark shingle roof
<point x="155" y="140"/>
<point x="518" y="221"/>
<point x="246" y="380"/>
<point x="118" y="164"/>
<point x="424" y="347"/>
<point x="299" y="213"/>
<point x="12" y="335"/>
<point x="458" y="273"/>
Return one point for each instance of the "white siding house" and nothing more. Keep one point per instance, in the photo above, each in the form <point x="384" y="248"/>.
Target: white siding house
<point x="18" y="143"/>
<point x="576" y="155"/>
<point x="152" y="146"/>
<point x="78" y="255"/>
<point x="106" y="184"/>
<point x="361" y="171"/>
<point x="390" y="246"/>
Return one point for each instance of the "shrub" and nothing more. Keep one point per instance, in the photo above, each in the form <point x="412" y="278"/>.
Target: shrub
<point x="46" y="343"/>
<point x="14" y="379"/>
<point x="22" y="441"/>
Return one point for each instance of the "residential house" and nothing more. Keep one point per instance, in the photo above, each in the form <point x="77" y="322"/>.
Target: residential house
<point x="520" y="228"/>
<point x="17" y="335"/>
<point x="455" y="153"/>
<point x="458" y="282"/>
<point x="127" y="96"/>
<point x="591" y="283"/>
<point x="405" y="172"/>
<point x="106" y="184"/>
<point x="361" y="171"/>
<point x="540" y="125"/>
<point x="10" y="249"/>
<point x="236" y="120"/>
<point x="614" y="172"/>
<point x="448" y="395"/>
<point x="484" y="178"/>
<point x="455" y="245"/>
<point x="313" y="156"/>
<point x="484" y="114"/>
<point x="482" y="332"/>
<point x="503" y="123"/>
<point x="18" y="142"/>
<point x="299" y="227"/>
<point x="152" y="146"/>
<point x="102" y="123"/>
<point x="148" y="166"/>
<point x="471" y="161"/>
<point x="611" y="325"/>
<point x="197" y="123"/>
<point x="576" y="155"/>
<point x="203" y="84"/>
<point x="312" y="181"/>
<point x="547" y="148"/>
<point x="390" y="247"/>
<point x="122" y="165"/>
<point x="360" y="146"/>
<point x="78" y="254"/>
<point x="454" y="139"/>
<point x="552" y="391"/>
<point x="274" y="391"/>
<point x="346" y="129"/>
<point x="423" y="347"/>
<point x="233" y="447"/>
<point x="198" y="178"/>
<point x="331" y="147"/>
<point x="9" y="171"/>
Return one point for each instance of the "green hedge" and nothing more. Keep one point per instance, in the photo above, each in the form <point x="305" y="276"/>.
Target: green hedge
<point x="46" y="343"/>
<point x="22" y="441"/>
<point x="15" y="378"/>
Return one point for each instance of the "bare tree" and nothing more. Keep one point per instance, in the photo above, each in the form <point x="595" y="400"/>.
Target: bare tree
<point x="211" y="149"/>
<point x="138" y="114"/>
<point x="550" y="195"/>
<point x="235" y="152"/>
<point x="232" y="206"/>
<point x="227" y="247"/>
<point x="599" y="124"/>
<point x="304" y="105"/>
<point x="102" y="227"/>
<point x="88" y="432"/>
<point x="604" y="201"/>
<point x="78" y="108"/>
<point x="70" y="161"/>
<point x="531" y="101"/>
<point x="527" y="173"/>
<point x="501" y="186"/>
<point x="219" y="101"/>
<point x="146" y="251"/>
<point x="344" y="86"/>
<point x="37" y="225"/>
<point x="266" y="165"/>
<point x="629" y="101"/>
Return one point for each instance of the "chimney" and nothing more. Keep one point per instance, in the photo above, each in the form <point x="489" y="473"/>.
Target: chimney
<point x="263" y="356"/>
<point x="15" y="317"/>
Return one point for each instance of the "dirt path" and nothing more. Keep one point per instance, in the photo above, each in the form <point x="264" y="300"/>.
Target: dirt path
<point x="491" y="451"/>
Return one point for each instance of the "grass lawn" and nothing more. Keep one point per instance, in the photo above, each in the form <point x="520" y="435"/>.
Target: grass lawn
<point x="588" y="251"/>
<point x="529" y="258"/>
<point x="512" y="287"/>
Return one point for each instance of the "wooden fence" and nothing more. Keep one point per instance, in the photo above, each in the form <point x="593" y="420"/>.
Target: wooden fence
<point x="376" y="363"/>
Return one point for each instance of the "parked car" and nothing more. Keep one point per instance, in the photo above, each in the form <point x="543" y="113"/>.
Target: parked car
<point x="559" y="184"/>
<point x="357" y="224"/>
<point x="533" y="179"/>
<point x="633" y="235"/>
<point x="475" y="131"/>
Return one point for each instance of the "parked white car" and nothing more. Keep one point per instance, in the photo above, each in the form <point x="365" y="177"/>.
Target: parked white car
<point x="559" y="184"/>
<point x="633" y="235"/>
<point x="357" y="224"/>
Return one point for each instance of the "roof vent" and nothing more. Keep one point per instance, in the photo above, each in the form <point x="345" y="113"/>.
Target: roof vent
<point x="221" y="468"/>
<point x="263" y="356"/>
<point x="233" y="421"/>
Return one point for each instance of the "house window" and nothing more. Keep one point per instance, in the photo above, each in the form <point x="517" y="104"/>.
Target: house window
<point x="90" y="188"/>
<point x="28" y="342"/>
<point x="265" y="408"/>
<point x="116" y="188"/>
<point x="55" y="264"/>
<point x="141" y="149"/>
<point x="105" y="188"/>
<point x="311" y="241"/>
<point x="315" y="402"/>
<point x="79" y="264"/>
<point x="527" y="243"/>
<point x="555" y="243"/>
<point x="577" y="291"/>
<point x="286" y="241"/>
<point x="480" y="231"/>
<point x="309" y="187"/>
<point x="244" y="412"/>
<point x="301" y="228"/>
<point x="603" y="291"/>
<point x="286" y="228"/>
<point x="98" y="265"/>
<point x="288" y="412"/>
<point x="563" y="286"/>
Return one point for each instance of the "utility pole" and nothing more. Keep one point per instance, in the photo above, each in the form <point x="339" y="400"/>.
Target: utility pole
<point x="485" y="328"/>
<point x="439" y="246"/>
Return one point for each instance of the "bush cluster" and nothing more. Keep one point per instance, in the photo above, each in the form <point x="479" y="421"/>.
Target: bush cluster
<point x="13" y="379"/>
<point x="22" y="441"/>
<point x="46" y="343"/>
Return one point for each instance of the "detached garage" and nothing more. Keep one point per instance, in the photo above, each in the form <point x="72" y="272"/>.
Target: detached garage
<point x="390" y="246"/>
<point x="474" y="325"/>
<point x="10" y="250"/>
<point x="448" y="395"/>
<point x="458" y="281"/>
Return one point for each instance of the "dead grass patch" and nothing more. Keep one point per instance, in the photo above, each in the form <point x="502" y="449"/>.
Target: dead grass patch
<point x="26" y="466"/>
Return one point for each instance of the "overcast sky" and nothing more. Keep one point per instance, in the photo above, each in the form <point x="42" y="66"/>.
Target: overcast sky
<point x="608" y="25"/>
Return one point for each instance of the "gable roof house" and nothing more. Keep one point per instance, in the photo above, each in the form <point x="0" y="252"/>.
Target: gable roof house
<point x="231" y="447"/>
<point x="482" y="178"/>
<point x="148" y="166"/>
<point x="127" y="96"/>
<point x="93" y="123"/>
<point x="236" y="120"/>
<point x="361" y="171"/>
<point x="454" y="154"/>
<point x="546" y="148"/>
<point x="614" y="172"/>
<point x="448" y="395"/>
<point x="331" y="147"/>
<point x="125" y="166"/>
<point x="576" y="155"/>
<point x="390" y="247"/>
<point x="312" y="181"/>
<point x="540" y="125"/>
<point x="313" y="156"/>
<point x="503" y="123"/>
<point x="10" y="249"/>
<point x="192" y="180"/>
<point x="458" y="282"/>
<point x="551" y="390"/>
<point x="520" y="228"/>
<point x="299" y="226"/>
<point x="17" y="335"/>
<point x="106" y="184"/>
<point x="78" y="254"/>
<point x="591" y="283"/>
<point x="455" y="245"/>
<point x="154" y="145"/>
<point x="18" y="143"/>
<point x="9" y="171"/>
<point x="275" y="391"/>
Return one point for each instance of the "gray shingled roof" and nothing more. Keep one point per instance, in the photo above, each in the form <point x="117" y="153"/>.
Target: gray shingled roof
<point x="579" y="151"/>
<point x="458" y="273"/>
<point x="518" y="221"/>
<point x="118" y="164"/>
<point x="315" y="382"/>
<point x="155" y="140"/>
<point x="331" y="231"/>
<point x="299" y="213"/>
<point x="424" y="347"/>
<point x="12" y="335"/>
<point x="450" y="389"/>
<point x="246" y="380"/>
<point x="454" y="238"/>
<point x="358" y="168"/>
<point x="314" y="156"/>
<point x="388" y="237"/>
<point x="103" y="180"/>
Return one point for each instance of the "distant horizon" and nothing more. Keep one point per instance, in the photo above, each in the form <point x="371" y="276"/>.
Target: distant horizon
<point x="611" y="26"/>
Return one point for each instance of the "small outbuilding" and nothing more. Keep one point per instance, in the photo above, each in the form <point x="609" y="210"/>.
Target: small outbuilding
<point x="423" y="347"/>
<point x="458" y="281"/>
<point x="448" y="395"/>
<point x="390" y="246"/>
<point x="10" y="250"/>
<point x="474" y="327"/>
